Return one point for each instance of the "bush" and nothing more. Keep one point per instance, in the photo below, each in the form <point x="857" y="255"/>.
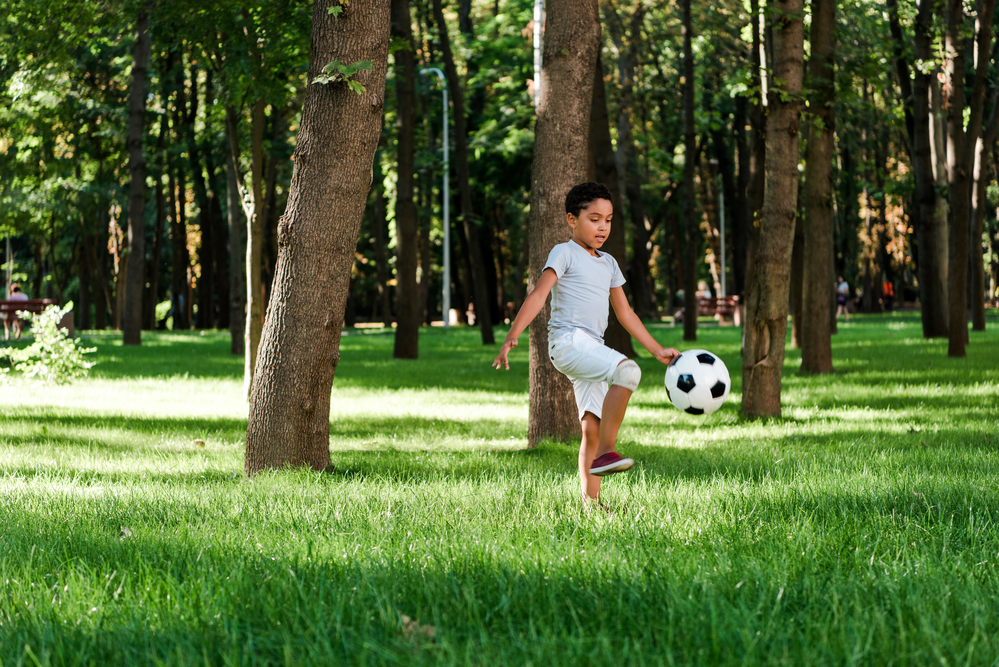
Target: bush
<point x="53" y="356"/>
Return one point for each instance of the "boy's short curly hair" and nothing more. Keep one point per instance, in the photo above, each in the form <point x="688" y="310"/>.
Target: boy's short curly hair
<point x="583" y="195"/>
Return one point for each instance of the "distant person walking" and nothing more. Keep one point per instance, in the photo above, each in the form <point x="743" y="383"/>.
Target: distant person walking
<point x="15" y="295"/>
<point x="842" y="292"/>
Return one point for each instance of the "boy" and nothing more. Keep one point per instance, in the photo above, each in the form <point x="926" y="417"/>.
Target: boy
<point x="582" y="280"/>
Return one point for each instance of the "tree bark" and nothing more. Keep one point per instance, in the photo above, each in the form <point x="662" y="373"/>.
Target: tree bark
<point x="961" y="145"/>
<point x="691" y="253"/>
<point x="767" y="305"/>
<point x="572" y="39"/>
<point x="603" y="169"/>
<point x="741" y="212"/>
<point x="468" y="218"/>
<point x="407" y="332"/>
<point x="818" y="254"/>
<point x="237" y="295"/>
<point x="135" y="279"/>
<point x="797" y="282"/>
<point x="379" y="231"/>
<point x="317" y="238"/>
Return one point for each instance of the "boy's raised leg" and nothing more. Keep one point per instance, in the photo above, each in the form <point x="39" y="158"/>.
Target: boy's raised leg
<point x="590" y="484"/>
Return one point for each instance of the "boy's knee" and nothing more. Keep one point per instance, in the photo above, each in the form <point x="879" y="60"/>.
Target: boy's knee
<point x="627" y="375"/>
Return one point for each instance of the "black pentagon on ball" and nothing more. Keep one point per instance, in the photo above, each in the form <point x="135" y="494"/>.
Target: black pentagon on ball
<point x="718" y="390"/>
<point x="685" y="383"/>
<point x="668" y="397"/>
<point x="705" y="358"/>
<point x="694" y="411"/>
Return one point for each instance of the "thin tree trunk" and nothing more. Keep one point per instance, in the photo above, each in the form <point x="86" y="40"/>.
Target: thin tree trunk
<point x="237" y="295"/>
<point x="407" y="225"/>
<point x="818" y="255"/>
<point x="289" y="422"/>
<point x="604" y="170"/>
<point x="152" y="294"/>
<point x="135" y="281"/>
<point x="254" y="252"/>
<point x="983" y="156"/>
<point x="627" y="159"/>
<point x="767" y="305"/>
<point x="961" y="145"/>
<point x="741" y="212"/>
<point x="468" y="218"/>
<point x="797" y="282"/>
<point x="572" y="39"/>
<point x="692" y="249"/>
<point x="379" y="229"/>
<point x="757" y="152"/>
<point x="86" y="272"/>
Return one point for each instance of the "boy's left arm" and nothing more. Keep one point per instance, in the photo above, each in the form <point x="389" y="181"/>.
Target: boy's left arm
<point x="631" y="322"/>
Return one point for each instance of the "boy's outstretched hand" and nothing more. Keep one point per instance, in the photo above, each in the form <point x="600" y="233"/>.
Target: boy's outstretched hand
<point x="667" y="354"/>
<point x="501" y="358"/>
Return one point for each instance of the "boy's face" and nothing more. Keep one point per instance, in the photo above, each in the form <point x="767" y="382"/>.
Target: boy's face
<point x="593" y="225"/>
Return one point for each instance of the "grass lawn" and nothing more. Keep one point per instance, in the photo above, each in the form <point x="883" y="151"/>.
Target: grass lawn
<point x="861" y="528"/>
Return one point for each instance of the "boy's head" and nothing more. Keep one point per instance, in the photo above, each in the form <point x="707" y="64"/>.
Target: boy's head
<point x="584" y="194"/>
<point x="588" y="210"/>
<point x="15" y="288"/>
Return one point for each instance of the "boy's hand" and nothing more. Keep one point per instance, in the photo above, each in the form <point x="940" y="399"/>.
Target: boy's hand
<point x="501" y="358"/>
<point x="667" y="354"/>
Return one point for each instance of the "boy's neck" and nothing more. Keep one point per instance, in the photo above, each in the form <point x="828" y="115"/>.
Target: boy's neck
<point x="592" y="251"/>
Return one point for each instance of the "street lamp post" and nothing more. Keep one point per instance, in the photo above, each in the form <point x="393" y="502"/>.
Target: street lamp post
<point x="446" y="291"/>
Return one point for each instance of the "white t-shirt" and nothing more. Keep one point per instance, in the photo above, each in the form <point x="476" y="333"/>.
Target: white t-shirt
<point x="581" y="297"/>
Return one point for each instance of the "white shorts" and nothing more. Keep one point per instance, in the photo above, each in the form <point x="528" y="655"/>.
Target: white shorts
<point x="589" y="364"/>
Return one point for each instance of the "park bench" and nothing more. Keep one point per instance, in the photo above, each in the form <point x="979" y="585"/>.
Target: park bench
<point x="36" y="306"/>
<point x="716" y="306"/>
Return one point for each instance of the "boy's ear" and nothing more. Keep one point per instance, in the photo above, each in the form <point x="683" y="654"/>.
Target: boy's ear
<point x="571" y="219"/>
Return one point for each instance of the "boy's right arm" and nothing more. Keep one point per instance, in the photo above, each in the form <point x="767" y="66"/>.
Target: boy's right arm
<point x="533" y="304"/>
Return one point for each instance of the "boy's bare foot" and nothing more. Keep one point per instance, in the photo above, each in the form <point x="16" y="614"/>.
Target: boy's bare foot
<point x="610" y="463"/>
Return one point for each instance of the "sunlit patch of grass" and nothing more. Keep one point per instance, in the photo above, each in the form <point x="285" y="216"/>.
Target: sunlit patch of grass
<point x="859" y="527"/>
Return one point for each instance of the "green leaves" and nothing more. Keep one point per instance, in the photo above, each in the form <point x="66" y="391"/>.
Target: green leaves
<point x="340" y="71"/>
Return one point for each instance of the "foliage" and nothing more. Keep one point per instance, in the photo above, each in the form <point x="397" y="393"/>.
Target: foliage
<point x="859" y="528"/>
<point x="340" y="71"/>
<point x="53" y="356"/>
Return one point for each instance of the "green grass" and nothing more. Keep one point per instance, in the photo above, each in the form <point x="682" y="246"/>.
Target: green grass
<point x="860" y="528"/>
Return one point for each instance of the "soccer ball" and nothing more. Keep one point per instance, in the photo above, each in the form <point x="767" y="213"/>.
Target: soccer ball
<point x="697" y="382"/>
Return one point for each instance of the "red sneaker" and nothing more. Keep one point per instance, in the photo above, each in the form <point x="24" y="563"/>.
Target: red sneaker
<point x="610" y="463"/>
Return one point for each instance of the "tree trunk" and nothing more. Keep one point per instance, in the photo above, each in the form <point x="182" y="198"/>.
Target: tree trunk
<point x="237" y="296"/>
<point x="767" y="305"/>
<point x="254" y="251"/>
<point x="707" y="189"/>
<point x="379" y="230"/>
<point x="692" y="250"/>
<point x="152" y="294"/>
<point x="627" y="159"/>
<point x="86" y="271"/>
<point x="797" y="282"/>
<point x="136" y="277"/>
<point x="757" y="152"/>
<point x="741" y="212"/>
<point x="603" y="169"/>
<point x="572" y="39"/>
<point x="818" y="255"/>
<point x="407" y="225"/>
<point x="978" y="200"/>
<point x="960" y="154"/>
<point x="178" y="246"/>
<point x="289" y="421"/>
<point x="469" y="222"/>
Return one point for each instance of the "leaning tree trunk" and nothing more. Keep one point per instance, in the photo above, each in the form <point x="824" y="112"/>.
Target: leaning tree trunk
<point x="135" y="278"/>
<point x="603" y="169"/>
<point x="817" y="283"/>
<point x="690" y="305"/>
<point x="572" y="38"/>
<point x="407" y="333"/>
<point x="477" y="265"/>
<point x="961" y="144"/>
<point x="317" y="236"/>
<point x="767" y="305"/>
